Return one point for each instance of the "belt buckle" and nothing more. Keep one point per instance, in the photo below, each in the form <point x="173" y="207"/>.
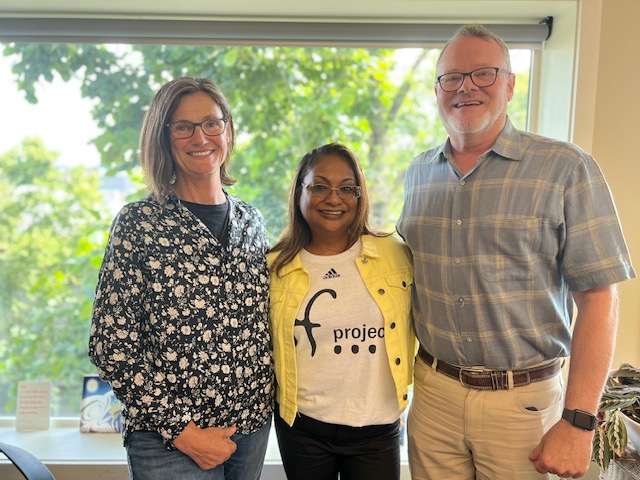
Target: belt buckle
<point x="471" y="373"/>
<point x="462" y="382"/>
<point x="499" y="379"/>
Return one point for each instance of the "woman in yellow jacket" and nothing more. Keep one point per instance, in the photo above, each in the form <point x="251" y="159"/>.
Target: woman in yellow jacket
<point x="340" y="323"/>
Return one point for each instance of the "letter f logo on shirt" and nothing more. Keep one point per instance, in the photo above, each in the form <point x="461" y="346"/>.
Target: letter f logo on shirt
<point x="307" y="323"/>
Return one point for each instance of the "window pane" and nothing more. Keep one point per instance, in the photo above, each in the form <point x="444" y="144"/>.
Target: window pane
<point x="69" y="162"/>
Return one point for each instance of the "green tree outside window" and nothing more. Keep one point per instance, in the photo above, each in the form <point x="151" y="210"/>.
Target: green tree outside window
<point x="286" y="101"/>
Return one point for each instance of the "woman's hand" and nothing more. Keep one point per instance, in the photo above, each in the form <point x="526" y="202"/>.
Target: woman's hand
<point x="208" y="447"/>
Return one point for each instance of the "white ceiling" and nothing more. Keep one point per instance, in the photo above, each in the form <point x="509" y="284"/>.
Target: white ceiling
<point x="401" y="11"/>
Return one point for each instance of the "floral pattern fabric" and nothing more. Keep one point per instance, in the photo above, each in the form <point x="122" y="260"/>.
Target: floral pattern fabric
<point x="179" y="325"/>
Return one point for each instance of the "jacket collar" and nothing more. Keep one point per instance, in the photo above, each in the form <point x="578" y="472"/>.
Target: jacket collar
<point x="369" y="250"/>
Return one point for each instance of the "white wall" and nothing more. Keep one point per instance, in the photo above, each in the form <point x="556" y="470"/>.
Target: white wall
<point x="606" y="106"/>
<point x="595" y="44"/>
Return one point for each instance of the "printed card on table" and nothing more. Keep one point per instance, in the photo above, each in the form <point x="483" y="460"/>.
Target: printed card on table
<point x="100" y="410"/>
<point x="34" y="406"/>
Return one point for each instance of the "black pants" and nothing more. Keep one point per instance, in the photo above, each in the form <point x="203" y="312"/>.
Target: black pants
<point x="314" y="450"/>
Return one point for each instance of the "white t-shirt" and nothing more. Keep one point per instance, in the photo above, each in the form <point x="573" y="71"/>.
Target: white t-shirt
<point x="343" y="370"/>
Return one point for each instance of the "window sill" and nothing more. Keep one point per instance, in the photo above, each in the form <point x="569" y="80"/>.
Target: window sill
<point x="64" y="444"/>
<point x="68" y="453"/>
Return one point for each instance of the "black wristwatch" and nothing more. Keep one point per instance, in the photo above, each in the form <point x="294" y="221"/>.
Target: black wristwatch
<point x="580" y="419"/>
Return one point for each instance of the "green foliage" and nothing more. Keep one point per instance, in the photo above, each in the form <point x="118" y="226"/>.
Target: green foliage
<point x="621" y="397"/>
<point x="52" y="229"/>
<point x="518" y="107"/>
<point x="285" y="101"/>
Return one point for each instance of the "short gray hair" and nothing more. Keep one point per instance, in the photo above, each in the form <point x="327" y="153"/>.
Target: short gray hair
<point x="479" y="31"/>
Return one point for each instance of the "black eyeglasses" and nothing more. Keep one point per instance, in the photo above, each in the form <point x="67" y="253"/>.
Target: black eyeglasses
<point x="185" y="129"/>
<point x="321" y="190"/>
<point x="481" y="78"/>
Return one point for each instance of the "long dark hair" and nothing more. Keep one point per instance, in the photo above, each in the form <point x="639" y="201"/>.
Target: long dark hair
<point x="297" y="234"/>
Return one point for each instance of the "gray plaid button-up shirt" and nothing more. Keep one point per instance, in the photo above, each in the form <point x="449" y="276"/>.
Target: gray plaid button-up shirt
<point x="498" y="250"/>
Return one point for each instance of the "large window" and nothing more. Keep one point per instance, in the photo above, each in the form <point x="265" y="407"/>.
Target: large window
<point x="68" y="161"/>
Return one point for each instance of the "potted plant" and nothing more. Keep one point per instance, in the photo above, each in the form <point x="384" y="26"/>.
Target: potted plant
<point x="619" y="407"/>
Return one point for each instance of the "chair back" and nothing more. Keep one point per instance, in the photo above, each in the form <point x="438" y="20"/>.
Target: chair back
<point x="28" y="464"/>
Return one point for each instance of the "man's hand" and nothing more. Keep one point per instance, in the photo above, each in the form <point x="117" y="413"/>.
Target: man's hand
<point x="208" y="447"/>
<point x="564" y="450"/>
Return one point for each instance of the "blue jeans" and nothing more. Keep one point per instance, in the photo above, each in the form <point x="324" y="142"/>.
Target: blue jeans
<point x="149" y="459"/>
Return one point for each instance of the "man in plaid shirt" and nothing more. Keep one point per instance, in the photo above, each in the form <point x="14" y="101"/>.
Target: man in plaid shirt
<point x="507" y="230"/>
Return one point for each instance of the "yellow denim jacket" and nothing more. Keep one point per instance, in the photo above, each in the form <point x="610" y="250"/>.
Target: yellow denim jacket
<point x="385" y="266"/>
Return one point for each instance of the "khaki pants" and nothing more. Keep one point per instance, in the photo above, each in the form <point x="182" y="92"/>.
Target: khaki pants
<point x="459" y="433"/>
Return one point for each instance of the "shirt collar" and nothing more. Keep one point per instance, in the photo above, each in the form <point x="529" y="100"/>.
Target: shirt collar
<point x="508" y="144"/>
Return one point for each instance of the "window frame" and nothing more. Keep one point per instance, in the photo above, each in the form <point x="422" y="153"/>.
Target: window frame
<point x="542" y="79"/>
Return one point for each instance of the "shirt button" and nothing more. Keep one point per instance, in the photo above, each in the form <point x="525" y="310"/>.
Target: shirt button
<point x="457" y="260"/>
<point x="405" y="396"/>
<point x="404" y="284"/>
<point x="461" y="301"/>
<point x="393" y="325"/>
<point x="458" y="222"/>
<point x="381" y="291"/>
<point x="397" y="361"/>
<point x="365" y="260"/>
<point x="462" y="182"/>
<point x="468" y="339"/>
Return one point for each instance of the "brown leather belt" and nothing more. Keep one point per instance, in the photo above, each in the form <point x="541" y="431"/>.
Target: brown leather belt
<point x="493" y="380"/>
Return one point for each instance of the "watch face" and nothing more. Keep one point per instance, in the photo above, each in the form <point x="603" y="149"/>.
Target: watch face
<point x="584" y="420"/>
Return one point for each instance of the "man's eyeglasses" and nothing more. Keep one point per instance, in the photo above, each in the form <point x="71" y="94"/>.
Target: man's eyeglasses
<point x="345" y="192"/>
<point x="185" y="129"/>
<point x="481" y="78"/>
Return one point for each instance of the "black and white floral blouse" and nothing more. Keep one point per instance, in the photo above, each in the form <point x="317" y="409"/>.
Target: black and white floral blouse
<point x="179" y="324"/>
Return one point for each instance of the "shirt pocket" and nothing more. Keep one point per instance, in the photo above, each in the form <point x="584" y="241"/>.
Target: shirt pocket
<point x="512" y="248"/>
<point x="398" y="285"/>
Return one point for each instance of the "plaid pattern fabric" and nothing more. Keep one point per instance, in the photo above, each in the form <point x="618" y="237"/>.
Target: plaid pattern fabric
<point x="497" y="251"/>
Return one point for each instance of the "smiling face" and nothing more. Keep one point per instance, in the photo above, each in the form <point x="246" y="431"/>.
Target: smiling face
<point x="200" y="155"/>
<point x="471" y="110"/>
<point x="331" y="217"/>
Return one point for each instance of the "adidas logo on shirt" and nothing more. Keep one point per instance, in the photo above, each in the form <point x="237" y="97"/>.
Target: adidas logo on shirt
<point x="331" y="274"/>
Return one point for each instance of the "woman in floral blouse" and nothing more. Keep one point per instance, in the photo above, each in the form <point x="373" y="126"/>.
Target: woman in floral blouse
<point x="180" y="316"/>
